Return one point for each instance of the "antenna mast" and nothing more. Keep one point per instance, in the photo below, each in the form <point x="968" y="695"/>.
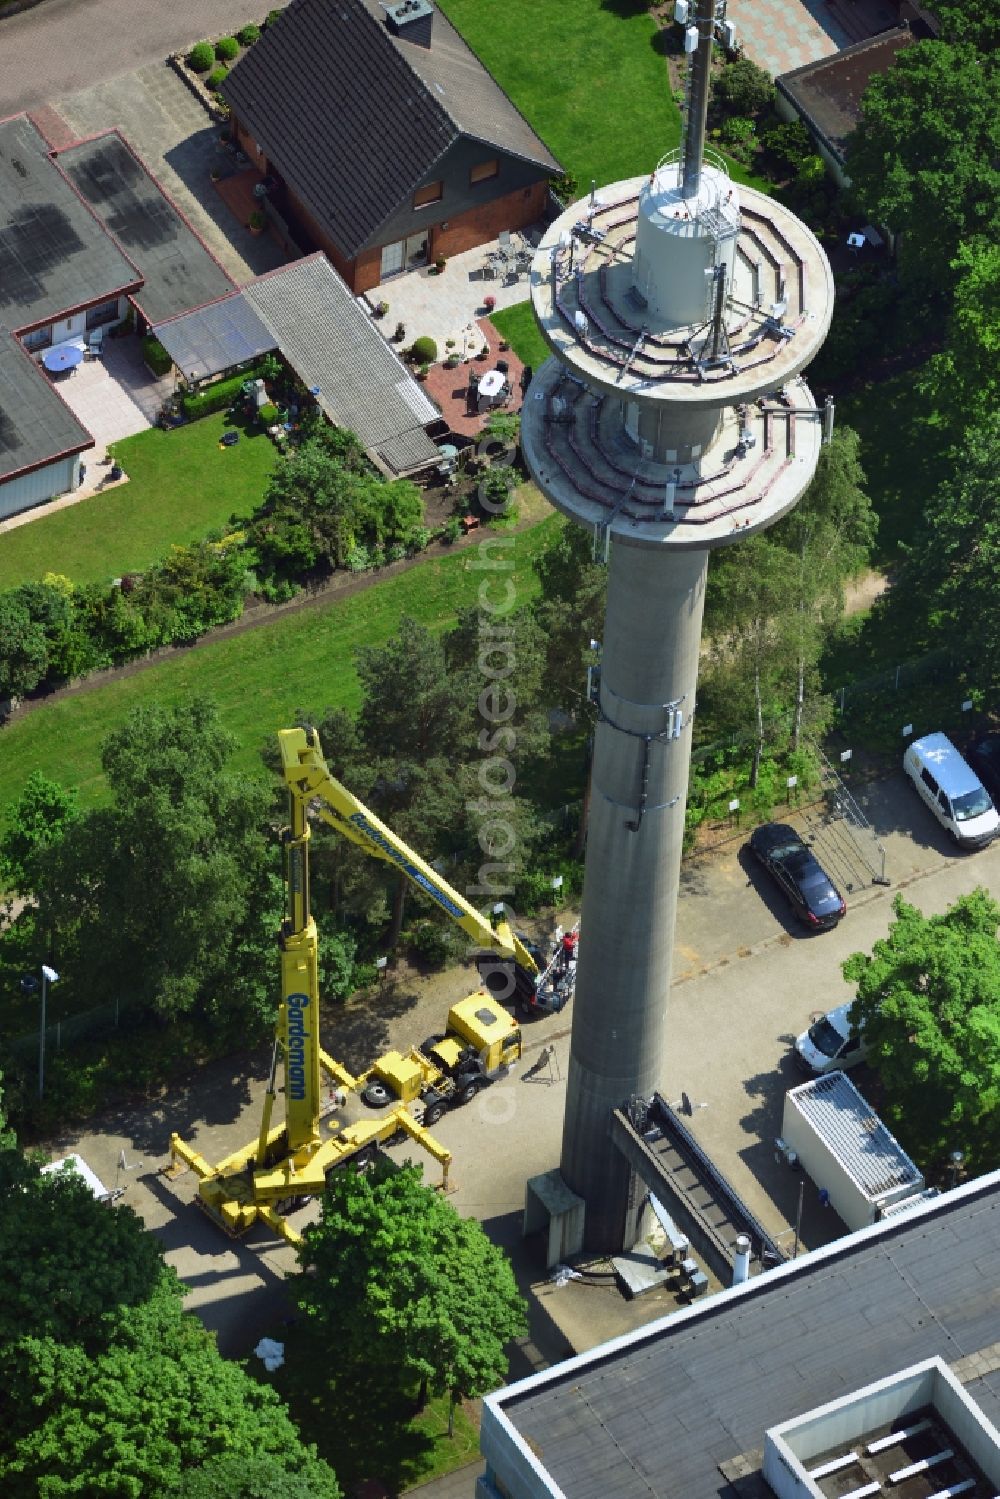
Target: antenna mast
<point x="703" y="19"/>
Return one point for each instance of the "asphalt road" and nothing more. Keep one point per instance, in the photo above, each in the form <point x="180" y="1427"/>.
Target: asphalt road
<point x="748" y="980"/>
<point x="64" y="45"/>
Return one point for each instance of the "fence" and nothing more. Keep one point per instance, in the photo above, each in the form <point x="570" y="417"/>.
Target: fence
<point x="935" y="666"/>
<point x="95" y="1022"/>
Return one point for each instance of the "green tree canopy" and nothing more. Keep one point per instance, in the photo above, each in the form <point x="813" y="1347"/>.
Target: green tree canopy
<point x="392" y="1273"/>
<point x="24" y="652"/>
<point x="39" y="817"/>
<point x="925" y="159"/>
<point x="928" y="997"/>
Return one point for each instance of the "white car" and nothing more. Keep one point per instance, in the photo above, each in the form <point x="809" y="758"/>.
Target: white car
<point x="830" y="1045"/>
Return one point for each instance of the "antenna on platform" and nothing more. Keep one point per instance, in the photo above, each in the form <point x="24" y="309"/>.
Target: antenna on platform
<point x="703" y="20"/>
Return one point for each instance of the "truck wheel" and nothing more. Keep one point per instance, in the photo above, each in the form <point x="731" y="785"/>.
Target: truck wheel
<point x="430" y="1043"/>
<point x="376" y="1095"/>
<point x="432" y="1114"/>
<point x="467" y="1092"/>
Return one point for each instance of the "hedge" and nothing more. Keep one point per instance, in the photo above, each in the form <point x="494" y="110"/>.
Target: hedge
<point x="216" y="397"/>
<point x="156" y="356"/>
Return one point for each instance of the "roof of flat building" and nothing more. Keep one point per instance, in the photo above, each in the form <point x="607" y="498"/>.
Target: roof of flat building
<point x="827" y="93"/>
<point x="177" y="269"/>
<point x="55" y="256"/>
<point x="36" y="425"/>
<point x="654" y="1414"/>
<point x="355" y="117"/>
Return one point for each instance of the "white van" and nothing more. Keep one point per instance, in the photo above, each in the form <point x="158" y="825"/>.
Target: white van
<point x="952" y="791"/>
<point x="830" y="1044"/>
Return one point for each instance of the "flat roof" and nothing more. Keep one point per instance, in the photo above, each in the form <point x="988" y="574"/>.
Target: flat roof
<point x="653" y="1414"/>
<point x="54" y="255"/>
<point x="863" y="1144"/>
<point x="36" y="425"/>
<point x="178" y="270"/>
<point x="827" y="92"/>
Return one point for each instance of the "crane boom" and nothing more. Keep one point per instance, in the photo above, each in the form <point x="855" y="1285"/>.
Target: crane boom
<point x="309" y="778"/>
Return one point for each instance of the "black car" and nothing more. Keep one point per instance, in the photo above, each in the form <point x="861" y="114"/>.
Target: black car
<point x="797" y="870"/>
<point x="984" y="757"/>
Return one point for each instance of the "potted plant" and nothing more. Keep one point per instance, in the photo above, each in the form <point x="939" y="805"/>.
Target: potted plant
<point x="215" y="173"/>
<point x="399" y="334"/>
<point x="423" y="372"/>
<point x="257" y="222"/>
<point x="452" y="361"/>
<point x="381" y="308"/>
<point x="504" y="346"/>
<point x="489" y="303"/>
<point x="439" y="263"/>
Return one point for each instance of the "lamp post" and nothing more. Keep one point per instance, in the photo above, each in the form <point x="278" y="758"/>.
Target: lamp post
<point x="49" y="976"/>
<point x="956" y="1161"/>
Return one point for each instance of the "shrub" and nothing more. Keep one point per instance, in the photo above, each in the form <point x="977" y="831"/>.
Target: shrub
<point x="217" y="77"/>
<point x="740" y="135"/>
<point x="432" y="943"/>
<point x="789" y="143"/>
<point x="257" y="219"/>
<point x="227" y="48"/>
<point x="247" y="35"/>
<point x="215" y="397"/>
<point x="423" y="350"/>
<point x="743" y="88"/>
<point x="272" y="16"/>
<point x="359" y="559"/>
<point x="564" y="187"/>
<point x="201" y="57"/>
<point x="156" y="355"/>
<point x="269" y="414"/>
<point x="452" y="529"/>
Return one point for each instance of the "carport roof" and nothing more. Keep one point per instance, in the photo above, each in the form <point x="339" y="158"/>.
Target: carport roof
<point x="213" y="339"/>
<point x="177" y="269"/>
<point x="653" y="1415"/>
<point x="332" y="343"/>
<point x="54" y="254"/>
<point x="36" y="426"/>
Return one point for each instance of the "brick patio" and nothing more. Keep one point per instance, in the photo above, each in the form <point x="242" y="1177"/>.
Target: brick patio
<point x="449" y="388"/>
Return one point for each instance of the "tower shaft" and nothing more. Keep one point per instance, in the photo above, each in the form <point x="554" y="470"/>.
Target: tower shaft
<point x="697" y="118"/>
<point x="639" y="784"/>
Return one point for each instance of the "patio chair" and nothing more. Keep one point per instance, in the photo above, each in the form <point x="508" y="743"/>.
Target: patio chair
<point x="503" y="239"/>
<point x="95" y="342"/>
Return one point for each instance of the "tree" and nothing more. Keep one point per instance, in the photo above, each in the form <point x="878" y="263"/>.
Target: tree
<point x="829" y="535"/>
<point x="151" y="896"/>
<point x="392" y="1274"/>
<point x="233" y="1477"/>
<point x="952" y="565"/>
<point x="39" y="817"/>
<point x="928" y="999"/>
<point x="743" y="88"/>
<point x="570" y="611"/>
<point x="24" y="655"/>
<point x="925" y="159"/>
<point x="962" y="383"/>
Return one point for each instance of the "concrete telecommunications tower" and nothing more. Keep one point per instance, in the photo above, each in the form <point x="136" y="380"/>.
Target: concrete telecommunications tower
<point x="673" y="419"/>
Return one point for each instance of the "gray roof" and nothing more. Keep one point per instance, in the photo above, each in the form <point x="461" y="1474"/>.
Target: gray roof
<point x="54" y="255"/>
<point x="354" y="118"/>
<point x="216" y="338"/>
<point x="36" y="426"/>
<point x="178" y="270"/>
<point x="652" y="1416"/>
<point x="331" y="342"/>
<point x="865" y="1147"/>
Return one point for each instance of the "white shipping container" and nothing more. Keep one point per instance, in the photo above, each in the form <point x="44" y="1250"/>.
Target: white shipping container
<point x="845" y="1148"/>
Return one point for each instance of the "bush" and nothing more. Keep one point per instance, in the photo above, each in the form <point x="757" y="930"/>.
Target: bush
<point x="744" y="89"/>
<point x="359" y="559"/>
<point x="217" y="77"/>
<point x="247" y="35"/>
<point x="432" y="943"/>
<point x="201" y="57"/>
<point x="215" y="397"/>
<point x="227" y="48"/>
<point x="269" y="414"/>
<point x="739" y="135"/>
<point x="156" y="356"/>
<point x="272" y="16"/>
<point x="452" y="529"/>
<point x="423" y="350"/>
<point x="789" y="143"/>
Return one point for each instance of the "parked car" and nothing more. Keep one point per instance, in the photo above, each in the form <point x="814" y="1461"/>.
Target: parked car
<point x="813" y="895"/>
<point x="952" y="791"/>
<point x="830" y="1044"/>
<point x="984" y="757"/>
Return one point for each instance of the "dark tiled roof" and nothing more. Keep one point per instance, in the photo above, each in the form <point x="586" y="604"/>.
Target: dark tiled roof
<point x="331" y="342"/>
<point x="827" y="93"/>
<point x="216" y="338"/>
<point x="653" y="1419"/>
<point x="354" y="118"/>
<point x="178" y="271"/>
<point x="54" y="255"/>
<point x="35" y="425"/>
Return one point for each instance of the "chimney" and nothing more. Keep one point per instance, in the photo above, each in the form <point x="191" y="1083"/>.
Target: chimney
<point x="411" y="21"/>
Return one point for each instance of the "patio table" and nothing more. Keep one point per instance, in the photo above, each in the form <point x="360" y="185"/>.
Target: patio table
<point x="490" y="388"/>
<point x="66" y="357"/>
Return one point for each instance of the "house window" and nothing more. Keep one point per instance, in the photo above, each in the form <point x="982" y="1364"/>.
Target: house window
<point x="40" y="338"/>
<point x="484" y="170"/>
<point x="431" y="192"/>
<point x="104" y="312"/>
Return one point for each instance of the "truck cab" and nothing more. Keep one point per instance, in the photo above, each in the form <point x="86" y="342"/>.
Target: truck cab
<point x="447" y="1070"/>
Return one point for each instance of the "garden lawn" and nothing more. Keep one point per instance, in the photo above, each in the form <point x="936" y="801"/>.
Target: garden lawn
<point x="589" y="75"/>
<point x="518" y="326"/>
<point x="181" y="486"/>
<point x="263" y="676"/>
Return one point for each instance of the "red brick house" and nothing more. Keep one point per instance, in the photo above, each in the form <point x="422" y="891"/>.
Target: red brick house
<point x="389" y="141"/>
